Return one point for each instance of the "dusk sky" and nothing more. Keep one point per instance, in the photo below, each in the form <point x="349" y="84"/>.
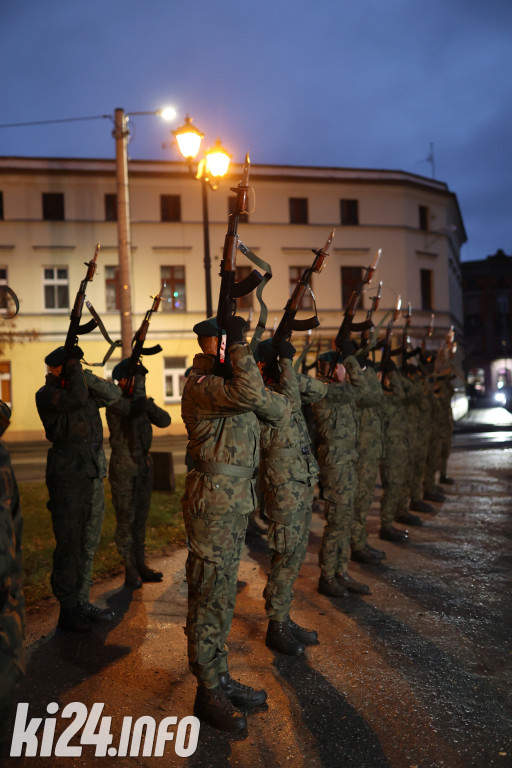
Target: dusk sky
<point x="366" y="84"/>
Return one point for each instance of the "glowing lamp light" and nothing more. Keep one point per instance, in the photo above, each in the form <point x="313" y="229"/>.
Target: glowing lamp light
<point x="168" y="113"/>
<point x="217" y="160"/>
<point x="189" y="139"/>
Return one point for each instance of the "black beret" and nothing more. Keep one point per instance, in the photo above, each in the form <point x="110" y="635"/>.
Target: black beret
<point x="263" y="352"/>
<point x="208" y="327"/>
<point x="56" y="358"/>
<point x="328" y="357"/>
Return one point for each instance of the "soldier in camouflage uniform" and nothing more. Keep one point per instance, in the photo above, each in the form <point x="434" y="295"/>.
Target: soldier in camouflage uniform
<point x="221" y="415"/>
<point x="336" y="424"/>
<point x="130" y="469"/>
<point x="419" y="435"/>
<point x="394" y="463"/>
<point x="369" y="453"/>
<point x="288" y="475"/>
<point x="12" y="602"/>
<point x="76" y="465"/>
<point x="431" y="492"/>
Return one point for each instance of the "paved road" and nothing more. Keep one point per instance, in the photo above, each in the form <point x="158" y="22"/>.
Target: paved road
<point x="418" y="673"/>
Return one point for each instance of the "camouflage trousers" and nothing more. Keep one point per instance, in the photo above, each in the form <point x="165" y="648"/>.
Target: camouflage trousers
<point x="288" y="508"/>
<point x="367" y="470"/>
<point x="131" y="497"/>
<point x="339" y="487"/>
<point x="394" y="473"/>
<point x="445" y="437"/>
<point x="215" y="512"/>
<point x="12" y="664"/>
<point x="77" y="506"/>
<point x="434" y="453"/>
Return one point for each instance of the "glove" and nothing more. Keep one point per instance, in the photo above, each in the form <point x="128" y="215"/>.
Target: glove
<point x="137" y="406"/>
<point x="236" y="328"/>
<point x="76" y="353"/>
<point x="347" y="348"/>
<point x="389" y="366"/>
<point x="286" y="349"/>
<point x="140" y="369"/>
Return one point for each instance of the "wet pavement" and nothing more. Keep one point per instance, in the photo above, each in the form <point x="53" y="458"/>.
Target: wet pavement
<point x="416" y="674"/>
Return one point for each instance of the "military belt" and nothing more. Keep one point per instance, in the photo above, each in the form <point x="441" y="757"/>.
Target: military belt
<point x="231" y="470"/>
<point x="281" y="453"/>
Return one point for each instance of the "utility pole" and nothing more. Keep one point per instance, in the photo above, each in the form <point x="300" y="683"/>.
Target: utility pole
<point x="120" y="135"/>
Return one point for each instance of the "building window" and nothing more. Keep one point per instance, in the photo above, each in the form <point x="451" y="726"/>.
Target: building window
<point x="1" y="206"/>
<point x="5" y="383"/>
<point x="174" y="375"/>
<point x="172" y="280"/>
<point x="53" y="206"/>
<point x="349" y="212"/>
<point x="111" y="207"/>
<point x="170" y="208"/>
<point x="426" y="288"/>
<point x="298" y="210"/>
<point x="423" y="216"/>
<point x="350" y="280"/>
<point x="56" y="288"/>
<point x="244" y="302"/>
<point x="112" y="289"/>
<point x="232" y="204"/>
<point x="295" y="274"/>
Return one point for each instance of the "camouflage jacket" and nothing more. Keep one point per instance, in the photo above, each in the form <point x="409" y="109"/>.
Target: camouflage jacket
<point x="395" y="421"/>
<point x="129" y="420"/>
<point x="370" y="416"/>
<point x="71" y="417"/>
<point x="287" y="451"/>
<point x="337" y="419"/>
<point x="221" y="415"/>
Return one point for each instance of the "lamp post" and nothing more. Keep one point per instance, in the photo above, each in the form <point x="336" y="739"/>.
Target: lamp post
<point x="210" y="170"/>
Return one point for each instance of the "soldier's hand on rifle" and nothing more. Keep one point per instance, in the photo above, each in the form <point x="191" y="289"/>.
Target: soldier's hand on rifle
<point x="286" y="349"/>
<point x="388" y="366"/>
<point x="236" y="328"/>
<point x="140" y="370"/>
<point x="347" y="348"/>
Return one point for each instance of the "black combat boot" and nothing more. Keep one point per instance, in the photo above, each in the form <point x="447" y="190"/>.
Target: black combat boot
<point x="407" y="519"/>
<point x="331" y="587"/>
<point x="367" y="555"/>
<point x="421" y="506"/>
<point x="73" y="619"/>
<point x="148" y="574"/>
<point x="132" y="579"/>
<point x="280" y="638"/>
<point x="212" y="706"/>
<point x="93" y="613"/>
<point x="352" y="585"/>
<point x="240" y="694"/>
<point x="434" y="496"/>
<point x="390" y="533"/>
<point x="445" y="480"/>
<point x="303" y="635"/>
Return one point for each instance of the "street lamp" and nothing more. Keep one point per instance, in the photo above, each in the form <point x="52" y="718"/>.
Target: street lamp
<point x="210" y="170"/>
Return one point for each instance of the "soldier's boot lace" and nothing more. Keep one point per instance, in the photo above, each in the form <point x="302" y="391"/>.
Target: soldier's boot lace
<point x="280" y="638"/>
<point x="93" y="613"/>
<point x="132" y="579"/>
<point x="212" y="706"/>
<point x="303" y="635"/>
<point x="241" y="694"/>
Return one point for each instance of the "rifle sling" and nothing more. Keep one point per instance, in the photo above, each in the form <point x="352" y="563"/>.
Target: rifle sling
<point x="99" y="323"/>
<point x="267" y="269"/>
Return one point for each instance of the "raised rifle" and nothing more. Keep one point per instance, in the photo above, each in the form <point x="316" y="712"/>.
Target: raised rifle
<point x="429" y="332"/>
<point x="406" y="336"/>
<point x="347" y="324"/>
<point x="387" y="352"/>
<point x="138" y="348"/>
<point x="367" y="335"/>
<point x="288" y="322"/>
<point x="230" y="290"/>
<point x="75" y="329"/>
